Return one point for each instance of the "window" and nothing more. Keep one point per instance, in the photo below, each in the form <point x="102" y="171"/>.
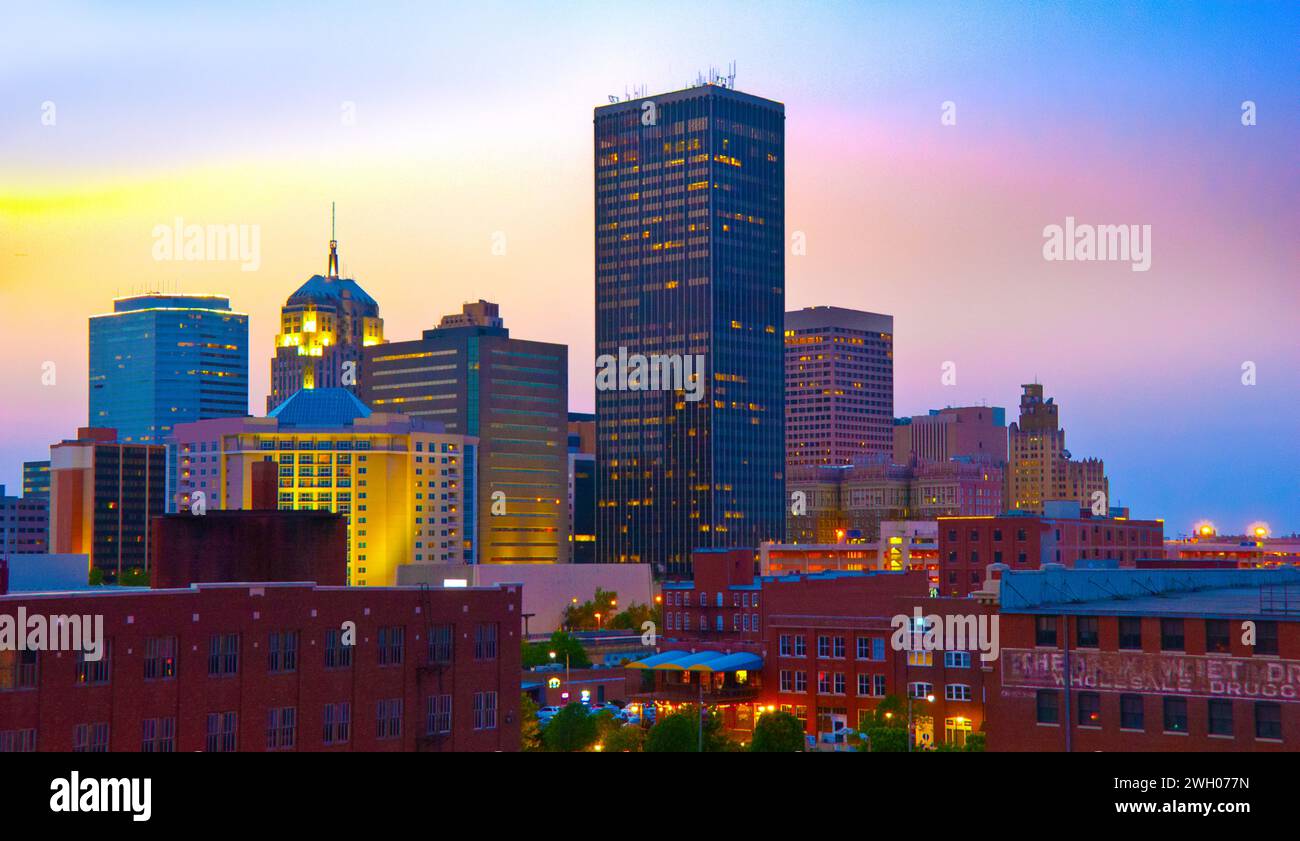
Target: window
<point x="90" y="738"/>
<point x="485" y="710"/>
<point x="787" y="680"/>
<point x="485" y="641"/>
<point x="920" y="689"/>
<point x="1085" y="632"/>
<point x="388" y="719"/>
<point x="800" y="681"/>
<point x="957" y="692"/>
<point x="785" y="648"/>
<point x="838" y="648"/>
<point x="1089" y="709"/>
<point x="17" y="741"/>
<point x="1268" y="720"/>
<point x="223" y="655"/>
<point x="282" y="652"/>
<point x="1220" y="717"/>
<point x="823" y="646"/>
<point x="392" y="645"/>
<point x="160" y="658"/>
<point x="823" y="683"/>
<point x="878" y="684"/>
<point x="221" y="733"/>
<point x="440" y="637"/>
<point x="94" y="672"/>
<point x="839" y="683"/>
<point x="17" y="670"/>
<point x="281" y="728"/>
<point x="158" y="735"/>
<point x="1132" y="712"/>
<point x="338" y="654"/>
<point x="1175" y="715"/>
<point x="1171" y="635"/>
<point x="800" y="646"/>
<point x="1130" y="633"/>
<point x="864" y="684"/>
<point x="437" y="715"/>
<point x="337" y="728"/>
<point x="1266" y="637"/>
<point x="920" y="658"/>
<point x="1045" y="631"/>
<point x="1049" y="706"/>
<point x="956" y="659"/>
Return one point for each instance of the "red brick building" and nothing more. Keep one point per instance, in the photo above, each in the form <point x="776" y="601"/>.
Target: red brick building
<point x="240" y="667"/>
<point x="1156" y="661"/>
<point x="967" y="545"/>
<point x="822" y="648"/>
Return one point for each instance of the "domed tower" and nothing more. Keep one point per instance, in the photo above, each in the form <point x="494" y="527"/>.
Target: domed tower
<point x="323" y="327"/>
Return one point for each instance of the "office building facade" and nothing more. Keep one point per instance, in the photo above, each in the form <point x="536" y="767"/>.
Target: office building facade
<point x="690" y="268"/>
<point x="1040" y="467"/>
<point x="159" y="360"/>
<point x="36" y="479"/>
<point x="978" y="433"/>
<point x="839" y="385"/>
<point x="323" y="327"/>
<point x="471" y="376"/>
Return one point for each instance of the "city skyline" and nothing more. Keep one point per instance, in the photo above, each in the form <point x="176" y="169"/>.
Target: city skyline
<point x="1130" y="356"/>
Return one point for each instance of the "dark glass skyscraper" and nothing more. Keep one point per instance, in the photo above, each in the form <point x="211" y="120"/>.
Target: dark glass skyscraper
<point x="690" y="263"/>
<point x="159" y="360"/>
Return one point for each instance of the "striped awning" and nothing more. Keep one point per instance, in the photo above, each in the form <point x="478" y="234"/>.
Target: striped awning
<point x="699" y="661"/>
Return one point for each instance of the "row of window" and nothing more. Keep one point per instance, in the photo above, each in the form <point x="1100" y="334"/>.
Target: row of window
<point x="1132" y="713"/>
<point x="1218" y="634"/>
<point x="676" y="621"/>
<point x="682" y="598"/>
<point x="158" y="735"/>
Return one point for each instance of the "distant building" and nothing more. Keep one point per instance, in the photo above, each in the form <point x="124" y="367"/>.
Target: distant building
<point x="1040" y="467"/>
<point x="582" y="487"/>
<point x="159" y="360"/>
<point x="511" y="394"/>
<point x="911" y="546"/>
<point x="976" y="433"/>
<point x="36" y="479"/>
<point x="405" y="485"/>
<point x="839" y="385"/>
<point x="856" y="500"/>
<point x="690" y="267"/>
<point x="1065" y="535"/>
<point x="221" y="668"/>
<point x="323" y="327"/>
<point x="1150" y="660"/>
<point x="24" y="524"/>
<point x="103" y="497"/>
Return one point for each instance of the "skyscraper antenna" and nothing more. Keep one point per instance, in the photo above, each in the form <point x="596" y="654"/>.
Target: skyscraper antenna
<point x="334" y="247"/>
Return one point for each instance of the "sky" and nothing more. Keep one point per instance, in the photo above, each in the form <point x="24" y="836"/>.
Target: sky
<point x="442" y="130"/>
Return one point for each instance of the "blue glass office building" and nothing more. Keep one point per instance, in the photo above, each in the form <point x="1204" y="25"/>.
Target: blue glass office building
<point x="690" y="260"/>
<point x="159" y="360"/>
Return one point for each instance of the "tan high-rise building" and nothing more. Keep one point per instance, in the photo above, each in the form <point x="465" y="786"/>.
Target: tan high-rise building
<point x="1040" y="467"/>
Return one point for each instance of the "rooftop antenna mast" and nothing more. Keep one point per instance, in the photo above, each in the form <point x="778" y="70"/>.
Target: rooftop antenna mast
<point x="334" y="247"/>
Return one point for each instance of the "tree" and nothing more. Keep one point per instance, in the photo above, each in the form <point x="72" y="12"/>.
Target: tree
<point x="628" y="739"/>
<point x="539" y="653"/>
<point x="635" y="616"/>
<point x="679" y="733"/>
<point x="778" y="732"/>
<point x="571" y="729"/>
<point x="885" y="727"/>
<point x="582" y="617"/>
<point x="530" y="729"/>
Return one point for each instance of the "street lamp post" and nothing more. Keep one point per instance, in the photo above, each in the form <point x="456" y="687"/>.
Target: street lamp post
<point x="911" y="726"/>
<point x="566" y="668"/>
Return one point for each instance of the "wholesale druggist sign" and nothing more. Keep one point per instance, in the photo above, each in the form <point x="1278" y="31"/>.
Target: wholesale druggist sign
<point x="1160" y="674"/>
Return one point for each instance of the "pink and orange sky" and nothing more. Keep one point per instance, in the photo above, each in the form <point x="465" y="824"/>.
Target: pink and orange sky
<point x="470" y="122"/>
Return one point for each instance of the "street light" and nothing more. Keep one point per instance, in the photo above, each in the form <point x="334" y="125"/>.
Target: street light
<point x="566" y="668"/>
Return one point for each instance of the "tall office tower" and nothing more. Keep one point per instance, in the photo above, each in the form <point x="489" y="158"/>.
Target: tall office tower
<point x="159" y="360"/>
<point x="103" y="496"/>
<point x="978" y="433"/>
<point x="36" y="479"/>
<point x="24" y="524"/>
<point x="839" y="385"/>
<point x="1040" y="467"/>
<point x="405" y="485"/>
<point x="690" y="268"/>
<point x="323" y="328"/>
<point x="510" y="394"/>
<point x="582" y="487"/>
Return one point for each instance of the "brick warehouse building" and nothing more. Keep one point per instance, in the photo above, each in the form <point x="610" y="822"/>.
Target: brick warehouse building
<point x="253" y="667"/>
<point x="1064" y="535"/>
<point x="817" y="646"/>
<point x="1155" y="658"/>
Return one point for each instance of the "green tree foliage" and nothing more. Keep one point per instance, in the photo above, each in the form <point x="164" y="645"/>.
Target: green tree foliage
<point x="630" y="739"/>
<point x="571" y="729"/>
<point x="778" y="732"/>
<point x="679" y="733"/>
<point x="539" y="653"/>
<point x="530" y="730"/>
<point x="885" y="727"/>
